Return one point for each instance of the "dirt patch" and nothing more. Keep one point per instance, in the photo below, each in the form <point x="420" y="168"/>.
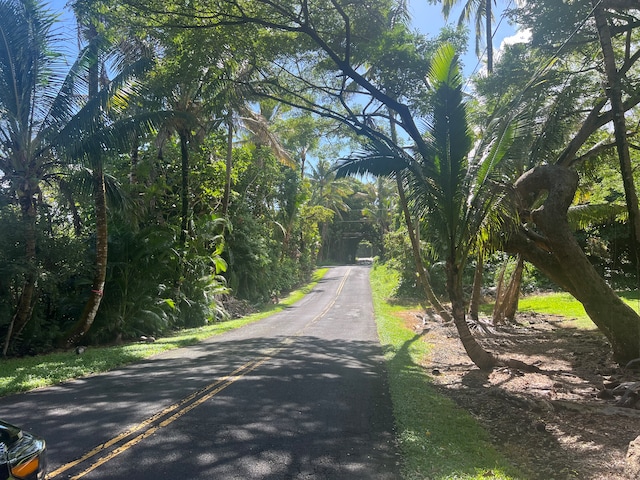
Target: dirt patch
<point x="552" y="424"/>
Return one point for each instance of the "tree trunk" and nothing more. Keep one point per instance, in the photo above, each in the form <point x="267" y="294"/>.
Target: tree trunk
<point x="135" y="157"/>
<point x="554" y="250"/>
<point x="483" y="359"/>
<point x="489" y="34"/>
<point x="229" y="165"/>
<point x="423" y="275"/>
<point x="614" y="93"/>
<point x="24" y="308"/>
<point x="82" y="326"/>
<point x="507" y="298"/>
<point x="476" y="290"/>
<point x="184" y="190"/>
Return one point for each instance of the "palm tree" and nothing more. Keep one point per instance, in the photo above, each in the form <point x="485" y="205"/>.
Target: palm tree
<point x="48" y="121"/>
<point x="36" y="104"/>
<point x="330" y="193"/>
<point x="257" y="126"/>
<point x="483" y="12"/>
<point x="105" y="123"/>
<point x="423" y="275"/>
<point x="452" y="193"/>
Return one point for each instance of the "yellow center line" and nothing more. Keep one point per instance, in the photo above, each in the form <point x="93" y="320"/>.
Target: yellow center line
<point x="150" y="425"/>
<point x="168" y="421"/>
<point x="328" y="307"/>
<point x="142" y="425"/>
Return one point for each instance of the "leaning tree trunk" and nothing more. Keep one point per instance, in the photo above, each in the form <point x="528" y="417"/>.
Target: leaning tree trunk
<point x="484" y="360"/>
<point x="554" y="250"/>
<point x="75" y="334"/>
<point x="423" y="275"/>
<point x="507" y="298"/>
<point x="479" y="356"/>
<point x="82" y="326"/>
<point x="24" y="308"/>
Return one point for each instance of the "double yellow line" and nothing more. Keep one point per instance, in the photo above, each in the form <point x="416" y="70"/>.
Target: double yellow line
<point x="155" y="422"/>
<point x="173" y="412"/>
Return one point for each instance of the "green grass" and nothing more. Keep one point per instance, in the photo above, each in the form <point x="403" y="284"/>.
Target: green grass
<point x="22" y="374"/>
<point x="563" y="304"/>
<point x="438" y="440"/>
<point x="559" y="303"/>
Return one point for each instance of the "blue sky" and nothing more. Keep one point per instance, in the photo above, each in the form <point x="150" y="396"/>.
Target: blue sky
<point x="426" y="18"/>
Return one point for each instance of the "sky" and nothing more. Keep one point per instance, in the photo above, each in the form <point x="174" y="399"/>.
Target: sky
<point x="426" y="18"/>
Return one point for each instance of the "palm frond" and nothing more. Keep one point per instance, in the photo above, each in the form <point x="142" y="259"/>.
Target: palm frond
<point x="492" y="152"/>
<point x="116" y="136"/>
<point x="374" y="159"/>
<point x="95" y="127"/>
<point x="29" y="68"/>
<point x="587" y="215"/>
<point x="259" y="126"/>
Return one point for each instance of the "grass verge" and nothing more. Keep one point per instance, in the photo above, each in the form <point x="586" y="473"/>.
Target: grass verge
<point x="438" y="440"/>
<point x="22" y="374"/>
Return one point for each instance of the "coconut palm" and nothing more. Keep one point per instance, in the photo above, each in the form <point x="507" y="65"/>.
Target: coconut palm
<point x="49" y="122"/>
<point x="36" y="102"/>
<point x="454" y="195"/>
<point x="482" y="10"/>
<point x="330" y="193"/>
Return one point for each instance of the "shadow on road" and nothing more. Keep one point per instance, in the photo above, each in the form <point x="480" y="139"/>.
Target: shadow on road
<point x="317" y="409"/>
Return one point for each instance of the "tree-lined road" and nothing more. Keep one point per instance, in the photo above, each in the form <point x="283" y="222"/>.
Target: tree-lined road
<point x="301" y="394"/>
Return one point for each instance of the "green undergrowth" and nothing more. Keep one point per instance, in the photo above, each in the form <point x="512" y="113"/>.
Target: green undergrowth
<point x="22" y="374"/>
<point x="437" y="439"/>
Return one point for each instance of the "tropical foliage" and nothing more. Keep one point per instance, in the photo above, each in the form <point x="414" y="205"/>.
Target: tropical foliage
<point x="197" y="158"/>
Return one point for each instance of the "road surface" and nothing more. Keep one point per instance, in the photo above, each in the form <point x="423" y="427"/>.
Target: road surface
<point x="299" y="395"/>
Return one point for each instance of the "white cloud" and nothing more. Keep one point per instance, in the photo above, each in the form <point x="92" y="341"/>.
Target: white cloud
<point x="521" y="36"/>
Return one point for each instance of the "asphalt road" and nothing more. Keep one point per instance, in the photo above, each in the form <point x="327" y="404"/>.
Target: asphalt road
<point x="299" y="395"/>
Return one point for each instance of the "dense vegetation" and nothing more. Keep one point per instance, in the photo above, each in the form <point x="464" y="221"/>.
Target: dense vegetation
<point x="191" y="157"/>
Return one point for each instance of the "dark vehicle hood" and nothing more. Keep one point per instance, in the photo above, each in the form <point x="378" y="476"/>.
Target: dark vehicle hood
<point x="17" y="446"/>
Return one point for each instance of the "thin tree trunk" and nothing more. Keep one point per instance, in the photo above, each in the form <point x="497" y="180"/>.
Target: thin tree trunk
<point x="24" y="308"/>
<point x="500" y="293"/>
<point x="513" y="292"/>
<point x="133" y="168"/>
<point x="82" y="326"/>
<point x="423" y="275"/>
<point x="65" y="189"/>
<point x="303" y="161"/>
<point x="614" y="92"/>
<point x="507" y="298"/>
<point x="84" y="323"/>
<point x="184" y="191"/>
<point x="229" y="165"/>
<point x="489" y="34"/>
<point x="476" y="290"/>
<point x="483" y="359"/>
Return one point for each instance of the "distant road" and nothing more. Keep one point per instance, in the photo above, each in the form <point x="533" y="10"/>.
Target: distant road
<point x="299" y="395"/>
